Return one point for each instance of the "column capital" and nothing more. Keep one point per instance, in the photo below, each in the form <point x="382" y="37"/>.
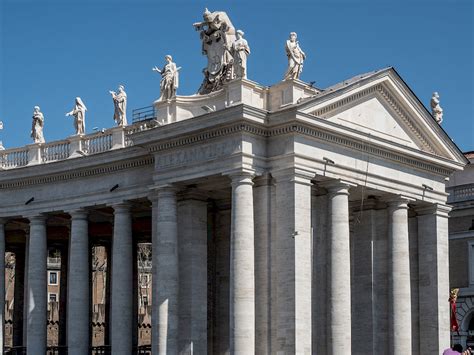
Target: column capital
<point x="241" y="177"/>
<point x="121" y="207"/>
<point x="294" y="174"/>
<point x="337" y="187"/>
<point x="436" y="209"/>
<point x="78" y="213"/>
<point x="263" y="180"/>
<point x="36" y="218"/>
<point x="398" y="202"/>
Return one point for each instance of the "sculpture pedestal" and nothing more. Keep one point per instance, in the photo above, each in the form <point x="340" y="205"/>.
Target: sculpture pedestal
<point x="34" y="153"/>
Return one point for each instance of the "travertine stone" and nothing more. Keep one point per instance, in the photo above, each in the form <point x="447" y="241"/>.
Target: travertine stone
<point x="2" y="280"/>
<point x="434" y="271"/>
<point x="293" y="269"/>
<point x="120" y="106"/>
<point x="122" y="281"/>
<point x="79" y="113"/>
<point x="414" y="284"/>
<point x="399" y="279"/>
<point x="37" y="126"/>
<point x="339" y="337"/>
<point x="165" y="272"/>
<point x="78" y="305"/>
<point x="37" y="286"/>
<point x="242" y="267"/>
<point x="169" y="79"/>
<point x="436" y="109"/>
<point x="295" y="56"/>
<point x="192" y="237"/>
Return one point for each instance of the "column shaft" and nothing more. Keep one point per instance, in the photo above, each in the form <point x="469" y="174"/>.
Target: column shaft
<point x="122" y="282"/>
<point x="399" y="290"/>
<point x="165" y="273"/>
<point x="242" y="267"/>
<point x="434" y="274"/>
<point x="37" y="287"/>
<point x="339" y="270"/>
<point x="192" y="235"/>
<point x="293" y="248"/>
<point x="78" y="304"/>
<point x="19" y="296"/>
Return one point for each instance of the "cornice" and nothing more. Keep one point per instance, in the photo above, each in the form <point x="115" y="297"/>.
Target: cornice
<point x="80" y="173"/>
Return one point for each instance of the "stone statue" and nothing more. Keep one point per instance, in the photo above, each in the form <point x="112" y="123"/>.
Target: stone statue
<point x="436" y="109"/>
<point x="217" y="35"/>
<point x="37" y="126"/>
<point x="169" y="79"/>
<point x="295" y="58"/>
<point x="240" y="52"/>
<point x="1" y="143"/>
<point x="120" y="106"/>
<point x="79" y="113"/>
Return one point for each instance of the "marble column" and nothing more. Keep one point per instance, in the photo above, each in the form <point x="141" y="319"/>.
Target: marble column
<point x="293" y="249"/>
<point x="339" y="316"/>
<point x="165" y="272"/>
<point x="399" y="278"/>
<point x="37" y="286"/>
<point x="192" y="237"/>
<point x="78" y="305"/>
<point x="121" y="321"/>
<point x="242" y="266"/>
<point x="262" y="200"/>
<point x="2" y="282"/>
<point x="433" y="265"/>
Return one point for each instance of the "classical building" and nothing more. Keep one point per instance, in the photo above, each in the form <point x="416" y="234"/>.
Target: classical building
<point x="285" y="219"/>
<point x="461" y="249"/>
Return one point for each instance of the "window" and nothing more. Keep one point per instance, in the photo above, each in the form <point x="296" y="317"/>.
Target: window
<point x="53" y="297"/>
<point x="53" y="278"/>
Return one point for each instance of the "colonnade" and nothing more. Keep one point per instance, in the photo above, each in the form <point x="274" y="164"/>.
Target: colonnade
<point x="274" y="251"/>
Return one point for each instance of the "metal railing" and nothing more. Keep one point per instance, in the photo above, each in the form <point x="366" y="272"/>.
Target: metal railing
<point x="101" y="350"/>
<point x="56" y="350"/>
<point x="143" y="114"/>
<point x="142" y="350"/>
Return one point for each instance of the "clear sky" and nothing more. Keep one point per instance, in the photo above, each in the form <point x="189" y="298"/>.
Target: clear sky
<point x="52" y="51"/>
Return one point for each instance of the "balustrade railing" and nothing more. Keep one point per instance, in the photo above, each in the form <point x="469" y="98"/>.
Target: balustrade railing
<point x="460" y="193"/>
<point x="117" y="137"/>
<point x="63" y="350"/>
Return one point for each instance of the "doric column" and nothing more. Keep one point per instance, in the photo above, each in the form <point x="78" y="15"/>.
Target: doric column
<point x="262" y="200"/>
<point x="242" y="266"/>
<point x="78" y="305"/>
<point x="293" y="267"/>
<point x="121" y="321"/>
<point x="165" y="272"/>
<point x="2" y="282"/>
<point x="399" y="278"/>
<point x="339" y="337"/>
<point x="433" y="264"/>
<point x="192" y="236"/>
<point x="37" y="286"/>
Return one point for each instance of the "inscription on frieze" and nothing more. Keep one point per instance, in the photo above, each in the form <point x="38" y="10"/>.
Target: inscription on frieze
<point x="199" y="153"/>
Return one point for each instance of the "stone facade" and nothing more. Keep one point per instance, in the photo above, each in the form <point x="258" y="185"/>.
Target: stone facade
<point x="286" y="220"/>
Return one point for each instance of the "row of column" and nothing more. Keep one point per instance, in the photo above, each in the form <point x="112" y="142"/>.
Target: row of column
<point x="288" y="272"/>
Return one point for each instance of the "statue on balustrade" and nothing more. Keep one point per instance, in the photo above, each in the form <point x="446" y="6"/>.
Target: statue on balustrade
<point x="120" y="106"/>
<point x="295" y="56"/>
<point x="217" y="35"/>
<point x="436" y="109"/>
<point x="169" y="79"/>
<point x="240" y="52"/>
<point x="79" y="113"/>
<point x="37" y="126"/>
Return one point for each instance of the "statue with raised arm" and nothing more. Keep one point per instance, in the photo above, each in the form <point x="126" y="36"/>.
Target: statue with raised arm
<point x="436" y="109"/>
<point x="295" y="56"/>
<point x="169" y="79"/>
<point x="217" y="35"/>
<point x="120" y="106"/>
<point x="37" y="126"/>
<point x="79" y="113"/>
<point x="240" y="52"/>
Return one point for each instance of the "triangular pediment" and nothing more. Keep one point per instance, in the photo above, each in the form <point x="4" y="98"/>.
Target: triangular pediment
<point x="383" y="107"/>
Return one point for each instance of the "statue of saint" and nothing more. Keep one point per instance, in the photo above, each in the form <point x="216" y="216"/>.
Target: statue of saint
<point x="436" y="109"/>
<point x="295" y="58"/>
<point x="120" y="106"/>
<point x="217" y="35"/>
<point x="1" y="144"/>
<point x="37" y="126"/>
<point x="240" y="52"/>
<point x="79" y="113"/>
<point x="169" y="79"/>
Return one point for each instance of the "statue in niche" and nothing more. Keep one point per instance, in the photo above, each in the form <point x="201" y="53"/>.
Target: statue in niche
<point x="79" y="113"/>
<point x="295" y="56"/>
<point x="240" y="52"/>
<point x="169" y="79"/>
<point x="217" y="35"/>
<point x="436" y="109"/>
<point x="37" y="126"/>
<point x="120" y="106"/>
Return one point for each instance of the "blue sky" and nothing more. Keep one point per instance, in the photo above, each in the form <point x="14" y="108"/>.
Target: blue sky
<point x="52" y="51"/>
